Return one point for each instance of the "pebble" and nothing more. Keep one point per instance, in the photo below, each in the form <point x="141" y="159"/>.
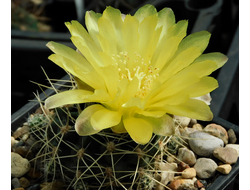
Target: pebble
<point x="188" y="173"/>
<point x="170" y="159"/>
<point x="182" y="184"/>
<point x="224" y="169"/>
<point x="198" y="184"/>
<point x="167" y="173"/>
<point x="13" y="141"/>
<point x="197" y="126"/>
<point x="19" y="165"/>
<point x="24" y="151"/>
<point x="34" y="174"/>
<point x="187" y="156"/>
<point x="24" y="182"/>
<point x="205" y="168"/>
<point x="217" y="131"/>
<point x="183" y="121"/>
<point x="203" y="143"/>
<point x="231" y="136"/>
<point x="227" y="155"/>
<point x="21" y="131"/>
<point x="234" y="146"/>
<point x="15" y="183"/>
<point x="34" y="187"/>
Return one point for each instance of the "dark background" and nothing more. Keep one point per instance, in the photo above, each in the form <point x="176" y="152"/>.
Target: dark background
<point x="29" y="53"/>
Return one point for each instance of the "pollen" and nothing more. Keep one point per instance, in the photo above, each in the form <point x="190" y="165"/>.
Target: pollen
<point x="131" y="66"/>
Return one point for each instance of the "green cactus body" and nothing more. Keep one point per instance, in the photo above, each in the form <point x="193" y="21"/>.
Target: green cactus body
<point x="105" y="160"/>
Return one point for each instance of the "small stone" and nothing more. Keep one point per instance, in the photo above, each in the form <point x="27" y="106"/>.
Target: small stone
<point x="13" y="141"/>
<point x="217" y="131"/>
<point x="24" y="151"/>
<point x="205" y="168"/>
<point x="231" y="136"/>
<point x="198" y="184"/>
<point x="24" y="182"/>
<point x="19" y="165"/>
<point x="182" y="166"/>
<point x="189" y="173"/>
<point x="226" y="154"/>
<point x="21" y="131"/>
<point x="15" y="183"/>
<point x="182" y="184"/>
<point x="187" y="156"/>
<point x="224" y="169"/>
<point x="182" y="121"/>
<point x="203" y="143"/>
<point x="197" y="126"/>
<point x="234" y="146"/>
<point x="167" y="173"/>
<point x="192" y="122"/>
<point x="32" y="142"/>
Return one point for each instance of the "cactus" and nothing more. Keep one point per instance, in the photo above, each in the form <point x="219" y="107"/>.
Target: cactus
<point x="105" y="160"/>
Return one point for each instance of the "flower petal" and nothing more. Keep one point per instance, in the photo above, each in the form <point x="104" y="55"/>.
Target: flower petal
<point x="71" y="54"/>
<point x="130" y="34"/>
<point x="119" y="128"/>
<point x="146" y="30"/>
<point x="91" y="19"/>
<point x="219" y="58"/>
<point x="145" y="11"/>
<point x="161" y="125"/>
<point x="104" y="118"/>
<point x="194" y="109"/>
<point x="166" y="19"/>
<point x="115" y="18"/>
<point x="204" y="86"/>
<point x="199" y="40"/>
<point x="173" y="36"/>
<point x="84" y="43"/>
<point x="83" y="125"/>
<point x="111" y="78"/>
<point x="66" y="97"/>
<point x="91" y="78"/>
<point x="107" y="36"/>
<point x="139" y="129"/>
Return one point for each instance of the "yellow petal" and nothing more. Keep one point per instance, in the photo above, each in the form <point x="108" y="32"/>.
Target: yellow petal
<point x="204" y="86"/>
<point x="91" y="19"/>
<point x="130" y="34"/>
<point x="163" y="125"/>
<point x="107" y="36"/>
<point x="219" y="58"/>
<point x="166" y="19"/>
<point x="71" y="54"/>
<point x="146" y="32"/>
<point x="111" y="78"/>
<point x="145" y="11"/>
<point x="114" y="17"/>
<point x="83" y="125"/>
<point x="183" y="60"/>
<point x="84" y="43"/>
<point x="66" y="97"/>
<point x="164" y="51"/>
<point x="199" y="40"/>
<point x="195" y="109"/>
<point x="201" y="69"/>
<point x="176" y="84"/>
<point x="104" y="118"/>
<point x="91" y="78"/>
<point x="139" y="129"/>
<point x="119" y="128"/>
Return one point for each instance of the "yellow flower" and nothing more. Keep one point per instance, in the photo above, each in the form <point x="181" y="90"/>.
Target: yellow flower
<point x="140" y="69"/>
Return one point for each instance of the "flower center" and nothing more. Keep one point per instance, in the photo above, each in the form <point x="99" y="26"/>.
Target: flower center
<point x="135" y="66"/>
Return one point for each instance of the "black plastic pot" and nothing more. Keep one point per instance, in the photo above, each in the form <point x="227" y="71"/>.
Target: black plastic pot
<point x="219" y="182"/>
